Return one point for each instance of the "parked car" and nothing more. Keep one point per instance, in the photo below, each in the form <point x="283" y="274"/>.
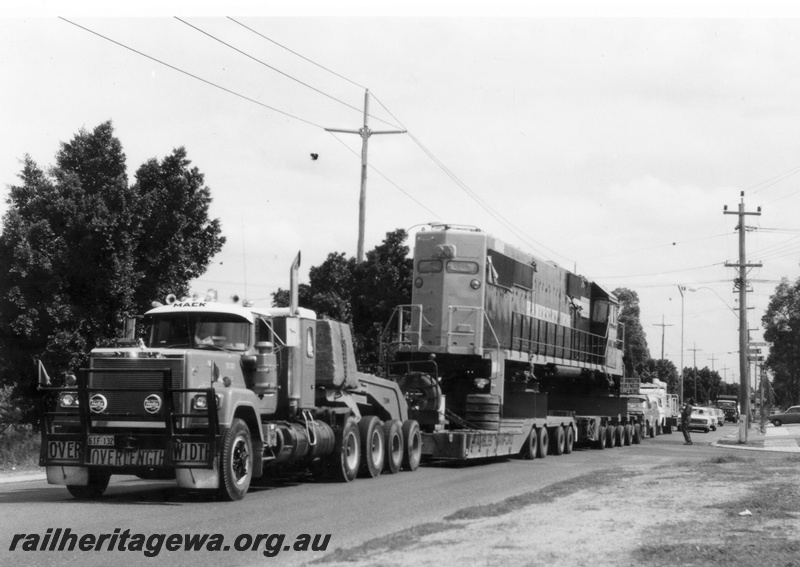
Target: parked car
<point x="791" y="415"/>
<point x="703" y="418"/>
<point x="640" y="405"/>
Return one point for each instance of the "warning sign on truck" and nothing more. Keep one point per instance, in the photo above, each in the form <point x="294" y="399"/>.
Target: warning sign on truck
<point x="629" y="385"/>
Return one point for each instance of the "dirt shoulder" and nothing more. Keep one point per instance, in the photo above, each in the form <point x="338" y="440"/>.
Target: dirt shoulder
<point x="731" y="509"/>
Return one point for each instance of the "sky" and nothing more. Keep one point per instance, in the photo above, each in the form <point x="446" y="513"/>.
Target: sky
<point x="606" y="141"/>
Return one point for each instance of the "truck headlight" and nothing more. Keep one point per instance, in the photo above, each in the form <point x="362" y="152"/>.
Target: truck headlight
<point x="200" y="402"/>
<point x="68" y="400"/>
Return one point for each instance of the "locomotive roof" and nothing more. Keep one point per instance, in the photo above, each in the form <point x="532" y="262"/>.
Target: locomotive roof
<point x="514" y="252"/>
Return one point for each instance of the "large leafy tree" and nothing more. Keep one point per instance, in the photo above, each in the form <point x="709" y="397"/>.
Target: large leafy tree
<point x="664" y="370"/>
<point x="782" y="327"/>
<point x="363" y="295"/>
<point x="81" y="248"/>
<point x="636" y="353"/>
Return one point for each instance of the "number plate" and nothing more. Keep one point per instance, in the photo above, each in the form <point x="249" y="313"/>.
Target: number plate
<point x="101" y="440"/>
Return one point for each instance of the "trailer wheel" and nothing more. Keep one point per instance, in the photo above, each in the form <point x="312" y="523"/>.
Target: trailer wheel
<point x="541" y="449"/>
<point x="601" y="438"/>
<point x="627" y="434"/>
<point x="557" y="441"/>
<point x="237" y="461"/>
<point x="412" y="437"/>
<point x="372" y="447"/>
<point x="569" y="441"/>
<point x="610" y="437"/>
<point x="531" y="445"/>
<point x="393" y="445"/>
<point x="343" y="463"/>
<point x="98" y="482"/>
<point x="637" y="433"/>
<point x="619" y="436"/>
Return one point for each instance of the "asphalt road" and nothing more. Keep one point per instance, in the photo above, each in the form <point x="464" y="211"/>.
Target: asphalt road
<point x="351" y="513"/>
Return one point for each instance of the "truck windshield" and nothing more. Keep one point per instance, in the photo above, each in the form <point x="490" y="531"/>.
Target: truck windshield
<point x="199" y="330"/>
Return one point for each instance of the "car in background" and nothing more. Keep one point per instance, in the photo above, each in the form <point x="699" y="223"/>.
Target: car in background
<point x="791" y="415"/>
<point x="703" y="418"/>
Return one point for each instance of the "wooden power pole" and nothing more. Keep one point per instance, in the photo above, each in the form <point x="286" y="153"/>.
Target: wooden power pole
<point x="741" y="284"/>
<point x="365" y="133"/>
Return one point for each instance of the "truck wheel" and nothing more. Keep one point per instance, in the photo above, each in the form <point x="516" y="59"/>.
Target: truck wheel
<point x="600" y="443"/>
<point x="627" y="435"/>
<point x="610" y="437"/>
<point x="569" y="441"/>
<point x="651" y="431"/>
<point x="541" y="449"/>
<point x="393" y="445"/>
<point x="343" y="463"/>
<point x="637" y="433"/>
<point x="98" y="482"/>
<point x="668" y="429"/>
<point x="237" y="461"/>
<point x="531" y="445"/>
<point x="557" y="441"/>
<point x="412" y="437"/>
<point x="372" y="447"/>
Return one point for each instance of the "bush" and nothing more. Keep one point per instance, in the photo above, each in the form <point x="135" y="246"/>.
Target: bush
<point x="19" y="448"/>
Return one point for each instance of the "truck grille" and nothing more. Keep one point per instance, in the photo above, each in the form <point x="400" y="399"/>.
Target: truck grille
<point x="140" y="373"/>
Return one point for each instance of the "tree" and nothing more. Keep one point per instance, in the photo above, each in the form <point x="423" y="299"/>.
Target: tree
<point x="363" y="295"/>
<point x="664" y="370"/>
<point x="782" y="327"/>
<point x="636" y="353"/>
<point x="81" y="249"/>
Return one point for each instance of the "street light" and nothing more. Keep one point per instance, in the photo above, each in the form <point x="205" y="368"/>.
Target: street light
<point x="682" y="288"/>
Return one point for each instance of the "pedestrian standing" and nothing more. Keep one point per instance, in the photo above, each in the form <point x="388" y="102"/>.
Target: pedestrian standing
<point x="686" y="417"/>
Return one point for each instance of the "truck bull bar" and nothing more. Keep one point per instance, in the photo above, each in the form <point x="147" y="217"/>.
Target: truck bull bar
<point x="179" y="428"/>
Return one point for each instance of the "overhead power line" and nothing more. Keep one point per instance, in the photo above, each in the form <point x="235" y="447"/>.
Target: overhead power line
<point x="192" y="75"/>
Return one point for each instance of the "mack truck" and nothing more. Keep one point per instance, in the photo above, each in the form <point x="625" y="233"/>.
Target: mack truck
<point x="216" y="395"/>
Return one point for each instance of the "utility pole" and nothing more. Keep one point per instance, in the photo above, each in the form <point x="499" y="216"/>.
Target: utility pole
<point x="741" y="282"/>
<point x="694" y="368"/>
<point x="713" y="358"/>
<point x="365" y="133"/>
<point x="662" y="325"/>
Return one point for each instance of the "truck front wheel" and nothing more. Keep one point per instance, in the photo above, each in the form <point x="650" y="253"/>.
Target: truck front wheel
<point x="98" y="482"/>
<point x="237" y="461"/>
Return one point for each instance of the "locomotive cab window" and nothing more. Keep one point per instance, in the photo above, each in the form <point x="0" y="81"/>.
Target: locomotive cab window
<point x="429" y="266"/>
<point x="461" y="267"/>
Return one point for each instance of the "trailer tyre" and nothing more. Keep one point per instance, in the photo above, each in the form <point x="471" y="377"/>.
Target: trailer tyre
<point x="601" y="438"/>
<point x="628" y="434"/>
<point x="372" y="446"/>
<point x="98" y="482"/>
<point x="237" y="461"/>
<point x="343" y="463"/>
<point x="393" y="444"/>
<point x="412" y="437"/>
<point x="637" y="433"/>
<point x="557" y="441"/>
<point x="619" y="436"/>
<point x="531" y="446"/>
<point x="610" y="437"/>
<point x="541" y="449"/>
<point x="569" y="439"/>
